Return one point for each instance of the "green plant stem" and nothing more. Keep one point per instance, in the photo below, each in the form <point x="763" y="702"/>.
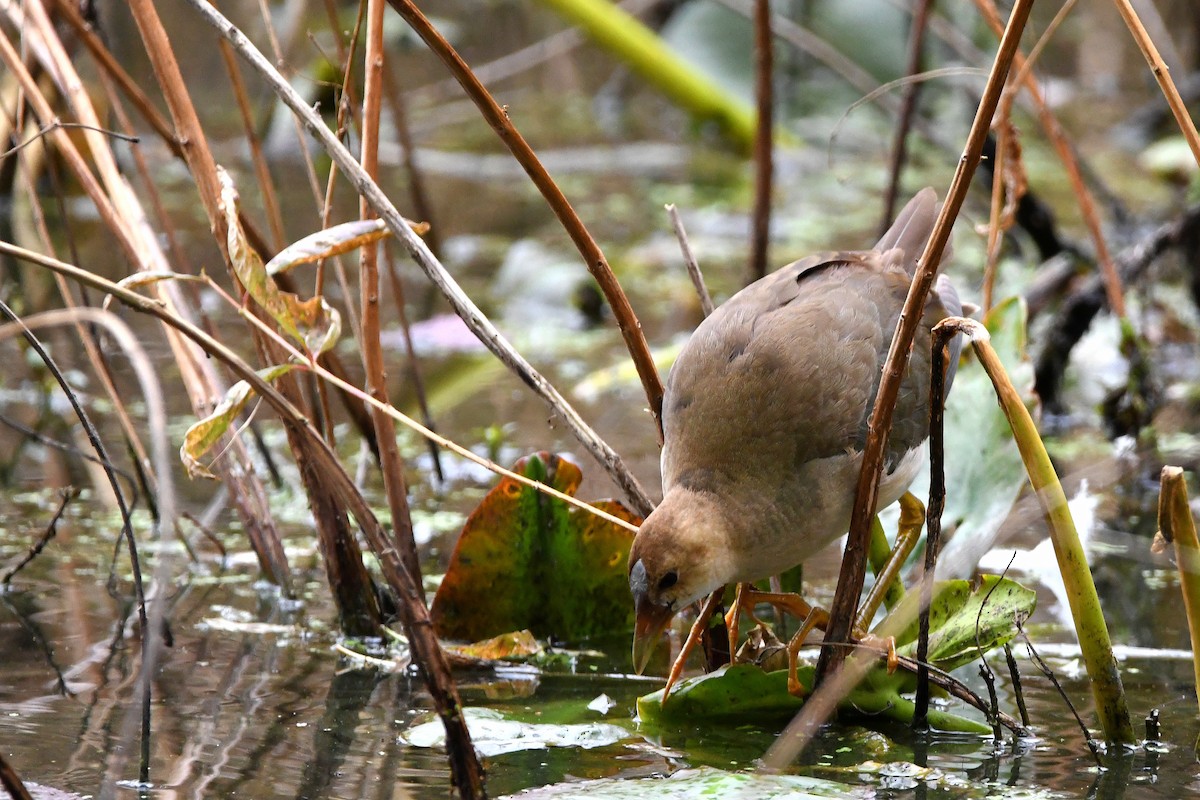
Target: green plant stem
<point x="1177" y="525"/>
<point x="646" y="54"/>
<point x="1090" y="627"/>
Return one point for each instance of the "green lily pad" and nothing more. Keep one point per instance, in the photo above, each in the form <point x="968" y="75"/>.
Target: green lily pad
<point x="744" y="692"/>
<point x="965" y="618"/>
<point x="526" y="560"/>
<point x="687" y="784"/>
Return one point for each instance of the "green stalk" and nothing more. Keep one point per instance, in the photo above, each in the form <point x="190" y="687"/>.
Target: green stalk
<point x="1090" y="627"/>
<point x="1176" y="524"/>
<point x="646" y="54"/>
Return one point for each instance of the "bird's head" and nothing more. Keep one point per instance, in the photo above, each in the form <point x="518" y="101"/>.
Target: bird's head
<point x="677" y="558"/>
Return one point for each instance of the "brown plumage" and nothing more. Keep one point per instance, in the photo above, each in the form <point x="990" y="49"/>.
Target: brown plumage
<point x="765" y="418"/>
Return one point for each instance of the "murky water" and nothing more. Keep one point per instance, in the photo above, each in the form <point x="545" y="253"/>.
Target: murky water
<point x="253" y="701"/>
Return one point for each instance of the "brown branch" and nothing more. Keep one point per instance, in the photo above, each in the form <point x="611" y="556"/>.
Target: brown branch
<point x="760" y="230"/>
<point x="390" y="462"/>
<point x="65" y="497"/>
<point x="689" y="260"/>
<point x="867" y="494"/>
<point x="933" y="517"/>
<point x="593" y="257"/>
<point x="1062" y="147"/>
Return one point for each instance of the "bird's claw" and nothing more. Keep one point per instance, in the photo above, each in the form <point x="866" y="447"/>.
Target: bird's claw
<point x="886" y="644"/>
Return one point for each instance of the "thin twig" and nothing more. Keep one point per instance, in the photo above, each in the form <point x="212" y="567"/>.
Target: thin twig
<point x="1014" y="676"/>
<point x="689" y="260"/>
<point x="45" y="129"/>
<point x="66" y="496"/>
<point x="1163" y="75"/>
<point x="1049" y="673"/>
<point x="149" y="637"/>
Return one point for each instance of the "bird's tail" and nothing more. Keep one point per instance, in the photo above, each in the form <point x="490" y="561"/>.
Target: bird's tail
<point x="912" y="228"/>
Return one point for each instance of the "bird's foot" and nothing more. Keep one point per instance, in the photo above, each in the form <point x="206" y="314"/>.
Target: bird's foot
<point x="748" y="597"/>
<point x="885" y="645"/>
<point x="815" y="618"/>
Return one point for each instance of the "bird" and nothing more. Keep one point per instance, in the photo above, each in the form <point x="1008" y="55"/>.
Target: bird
<point x="765" y="416"/>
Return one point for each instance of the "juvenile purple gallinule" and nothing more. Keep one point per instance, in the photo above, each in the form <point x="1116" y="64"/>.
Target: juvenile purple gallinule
<point x="765" y="418"/>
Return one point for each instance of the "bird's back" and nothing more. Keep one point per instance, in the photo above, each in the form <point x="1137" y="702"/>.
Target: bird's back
<point x="780" y="378"/>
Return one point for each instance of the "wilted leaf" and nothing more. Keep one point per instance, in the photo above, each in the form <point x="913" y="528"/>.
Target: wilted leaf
<point x="965" y="618"/>
<point x="313" y="322"/>
<point x="334" y="241"/>
<point x="506" y="645"/>
<point x="687" y="784"/>
<point x="525" y="560"/>
<point x="202" y="435"/>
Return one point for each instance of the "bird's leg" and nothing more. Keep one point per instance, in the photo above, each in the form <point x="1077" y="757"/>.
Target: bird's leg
<point x="732" y="618"/>
<point x="912" y="518"/>
<point x="813" y="617"/>
<point x="690" y="643"/>
<point x="816" y="618"/>
<point x="745" y="598"/>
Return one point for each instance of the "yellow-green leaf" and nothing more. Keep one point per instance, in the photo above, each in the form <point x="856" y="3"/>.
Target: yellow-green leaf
<point x="201" y="436"/>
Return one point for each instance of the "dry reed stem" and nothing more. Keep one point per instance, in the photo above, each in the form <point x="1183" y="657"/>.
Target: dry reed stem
<point x="850" y="581"/>
<point x="1066" y="154"/>
<point x="764" y="136"/>
<point x="1163" y="75"/>
<point x="390" y="461"/>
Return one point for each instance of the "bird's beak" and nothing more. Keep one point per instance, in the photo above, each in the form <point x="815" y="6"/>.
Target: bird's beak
<point x="649" y="622"/>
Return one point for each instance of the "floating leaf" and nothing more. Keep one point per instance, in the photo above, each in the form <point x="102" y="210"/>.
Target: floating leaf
<point x="202" y="435"/>
<point x="687" y="784"/>
<point x="334" y="241"/>
<point x="966" y="617"/>
<point x="519" y="644"/>
<point x="526" y="560"/>
<point x="744" y="692"/>
<point x="493" y="733"/>
<point x="313" y="322"/>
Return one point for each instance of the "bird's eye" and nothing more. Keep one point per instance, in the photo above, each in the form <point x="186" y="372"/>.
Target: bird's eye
<point x="668" y="580"/>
